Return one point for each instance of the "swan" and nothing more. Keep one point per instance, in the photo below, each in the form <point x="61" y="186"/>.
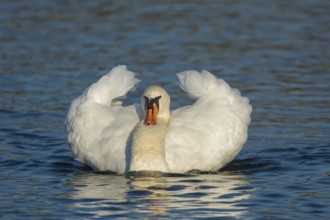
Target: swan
<point x="207" y="135"/>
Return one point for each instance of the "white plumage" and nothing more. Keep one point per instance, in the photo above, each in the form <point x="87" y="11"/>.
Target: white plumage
<point x="205" y="136"/>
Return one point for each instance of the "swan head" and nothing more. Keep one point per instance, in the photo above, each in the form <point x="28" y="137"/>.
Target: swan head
<point x="156" y="105"/>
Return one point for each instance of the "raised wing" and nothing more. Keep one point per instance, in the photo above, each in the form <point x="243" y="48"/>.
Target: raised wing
<point x="99" y="127"/>
<point x="210" y="133"/>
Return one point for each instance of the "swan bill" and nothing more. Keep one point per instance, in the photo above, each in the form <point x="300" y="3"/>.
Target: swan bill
<point x="151" y="109"/>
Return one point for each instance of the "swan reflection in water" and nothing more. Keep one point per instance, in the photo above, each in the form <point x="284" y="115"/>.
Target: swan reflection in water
<point x="207" y="195"/>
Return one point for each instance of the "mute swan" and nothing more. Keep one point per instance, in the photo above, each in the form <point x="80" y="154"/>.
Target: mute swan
<point x="205" y="136"/>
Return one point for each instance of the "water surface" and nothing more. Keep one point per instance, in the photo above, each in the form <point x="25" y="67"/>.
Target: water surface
<point x="276" y="53"/>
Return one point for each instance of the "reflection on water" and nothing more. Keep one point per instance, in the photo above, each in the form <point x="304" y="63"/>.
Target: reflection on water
<point x="196" y="195"/>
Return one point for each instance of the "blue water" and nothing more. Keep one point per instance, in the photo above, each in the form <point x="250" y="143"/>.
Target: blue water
<point x="275" y="52"/>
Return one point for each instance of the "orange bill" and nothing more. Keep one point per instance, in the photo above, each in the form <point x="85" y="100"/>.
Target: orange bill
<point x="151" y="117"/>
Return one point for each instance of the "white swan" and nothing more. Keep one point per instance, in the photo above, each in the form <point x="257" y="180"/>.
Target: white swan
<point x="110" y="137"/>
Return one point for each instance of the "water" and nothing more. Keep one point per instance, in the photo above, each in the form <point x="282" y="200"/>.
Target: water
<point x="275" y="52"/>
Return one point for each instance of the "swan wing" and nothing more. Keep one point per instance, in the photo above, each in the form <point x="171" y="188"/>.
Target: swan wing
<point x="99" y="126"/>
<point x="210" y="133"/>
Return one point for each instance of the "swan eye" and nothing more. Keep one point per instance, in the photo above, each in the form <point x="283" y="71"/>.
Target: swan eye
<point x="149" y="102"/>
<point x="156" y="100"/>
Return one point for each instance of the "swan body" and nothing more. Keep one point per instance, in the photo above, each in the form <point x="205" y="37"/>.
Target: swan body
<point x="205" y="135"/>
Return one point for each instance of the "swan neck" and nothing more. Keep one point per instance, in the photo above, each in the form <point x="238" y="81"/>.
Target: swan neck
<point x="148" y="147"/>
